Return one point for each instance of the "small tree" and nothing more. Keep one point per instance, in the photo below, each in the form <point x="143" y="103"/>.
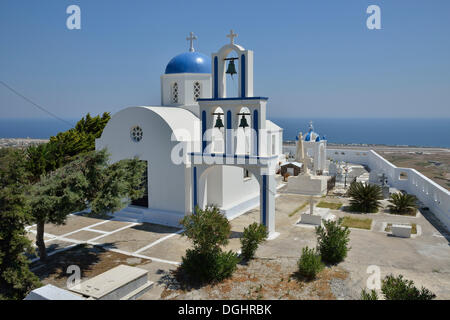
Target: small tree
<point x="208" y="230"/>
<point x="332" y="241"/>
<point x="86" y="182"/>
<point x="398" y="288"/>
<point x="253" y="236"/>
<point x="16" y="279"/>
<point x="310" y="263"/>
<point x="403" y="203"/>
<point x="364" y="197"/>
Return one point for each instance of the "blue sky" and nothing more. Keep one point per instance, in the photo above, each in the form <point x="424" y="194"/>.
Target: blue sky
<point x="312" y="58"/>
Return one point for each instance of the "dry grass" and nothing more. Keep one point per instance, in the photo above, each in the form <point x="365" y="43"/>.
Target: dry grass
<point x="413" y="228"/>
<point x="329" y="205"/>
<point x="351" y="222"/>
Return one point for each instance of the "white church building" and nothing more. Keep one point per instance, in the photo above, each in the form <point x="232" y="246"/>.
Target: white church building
<point x="201" y="147"/>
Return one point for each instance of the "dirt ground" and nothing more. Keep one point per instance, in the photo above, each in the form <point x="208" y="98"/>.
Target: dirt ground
<point x="92" y="260"/>
<point x="262" y="279"/>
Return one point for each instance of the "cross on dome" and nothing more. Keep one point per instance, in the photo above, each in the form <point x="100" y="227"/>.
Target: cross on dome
<point x="232" y="36"/>
<point x="191" y="38"/>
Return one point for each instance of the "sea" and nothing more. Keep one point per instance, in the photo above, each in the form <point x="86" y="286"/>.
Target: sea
<point x="393" y="132"/>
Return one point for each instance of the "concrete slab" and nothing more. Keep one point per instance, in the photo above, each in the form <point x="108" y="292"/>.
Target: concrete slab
<point x="73" y="223"/>
<point x="134" y="238"/>
<point x="50" y="292"/>
<point x="171" y="249"/>
<point x="113" y="284"/>
<point x="84" y="235"/>
<point x="111" y="226"/>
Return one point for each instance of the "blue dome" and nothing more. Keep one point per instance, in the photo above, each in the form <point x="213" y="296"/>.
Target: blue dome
<point x="189" y="62"/>
<point x="308" y="137"/>
<point x="317" y="139"/>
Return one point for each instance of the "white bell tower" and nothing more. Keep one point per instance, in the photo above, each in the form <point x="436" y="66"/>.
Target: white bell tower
<point x="240" y="123"/>
<point x="234" y="109"/>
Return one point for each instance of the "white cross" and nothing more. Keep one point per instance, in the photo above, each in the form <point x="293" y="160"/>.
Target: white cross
<point x="232" y="36"/>
<point x="191" y="38"/>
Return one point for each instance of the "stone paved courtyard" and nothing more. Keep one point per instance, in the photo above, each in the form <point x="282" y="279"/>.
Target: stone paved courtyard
<point x="425" y="259"/>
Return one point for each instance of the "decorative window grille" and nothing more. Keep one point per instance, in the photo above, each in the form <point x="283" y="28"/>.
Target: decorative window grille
<point x="175" y="93"/>
<point x="197" y="90"/>
<point x="136" y="134"/>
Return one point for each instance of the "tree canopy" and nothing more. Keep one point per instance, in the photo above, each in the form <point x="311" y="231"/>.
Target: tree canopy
<point x="87" y="182"/>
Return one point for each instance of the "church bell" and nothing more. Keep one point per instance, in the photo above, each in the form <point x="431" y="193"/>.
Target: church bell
<point x="219" y="122"/>
<point x="231" y="70"/>
<point x="244" y="123"/>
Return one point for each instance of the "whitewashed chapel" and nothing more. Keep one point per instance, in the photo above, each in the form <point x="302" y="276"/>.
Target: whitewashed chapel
<point x="196" y="125"/>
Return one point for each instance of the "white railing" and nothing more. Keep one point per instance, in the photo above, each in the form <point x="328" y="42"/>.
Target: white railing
<point x="432" y="195"/>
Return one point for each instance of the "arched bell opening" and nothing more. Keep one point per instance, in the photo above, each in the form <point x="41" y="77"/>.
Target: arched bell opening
<point x="232" y="75"/>
<point x="244" y="131"/>
<point x="218" y="131"/>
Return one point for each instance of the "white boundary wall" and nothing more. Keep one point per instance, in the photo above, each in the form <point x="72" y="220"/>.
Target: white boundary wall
<point x="426" y="190"/>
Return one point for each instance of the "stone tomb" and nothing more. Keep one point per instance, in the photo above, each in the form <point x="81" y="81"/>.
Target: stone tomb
<point x="315" y="215"/>
<point x="120" y="283"/>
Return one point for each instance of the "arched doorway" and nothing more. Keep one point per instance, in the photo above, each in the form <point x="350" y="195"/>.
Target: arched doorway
<point x="144" y="200"/>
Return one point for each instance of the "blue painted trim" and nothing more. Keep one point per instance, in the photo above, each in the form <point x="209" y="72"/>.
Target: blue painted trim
<point x="243" y="75"/>
<point x="256" y="128"/>
<point x="264" y="200"/>
<point x="194" y="173"/>
<point x="216" y="78"/>
<point x="238" y="98"/>
<point x="203" y="130"/>
<point x="229" y="136"/>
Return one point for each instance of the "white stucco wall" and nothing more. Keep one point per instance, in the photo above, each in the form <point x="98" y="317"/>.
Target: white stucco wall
<point x="166" y="180"/>
<point x="426" y="190"/>
<point x="185" y="88"/>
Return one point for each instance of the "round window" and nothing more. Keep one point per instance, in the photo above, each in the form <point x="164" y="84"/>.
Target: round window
<point x="136" y="134"/>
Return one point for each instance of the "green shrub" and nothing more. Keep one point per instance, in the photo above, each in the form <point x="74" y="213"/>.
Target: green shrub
<point x="332" y="241"/>
<point x="253" y="236"/>
<point x="364" y="197"/>
<point x="208" y="230"/>
<point x="371" y="295"/>
<point x="403" y="203"/>
<point x="210" y="266"/>
<point x="398" y="288"/>
<point x="310" y="263"/>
